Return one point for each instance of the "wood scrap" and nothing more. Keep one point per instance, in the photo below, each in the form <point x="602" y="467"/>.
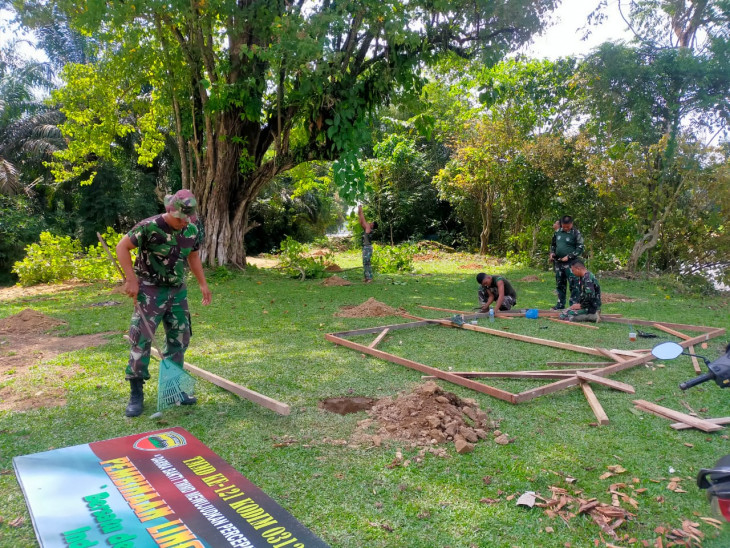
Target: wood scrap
<point x="379" y="338"/>
<point x="616" y="385"/>
<point x="594" y="403"/>
<point x="695" y="363"/>
<point x="705" y="426"/>
<point x="684" y="426"/>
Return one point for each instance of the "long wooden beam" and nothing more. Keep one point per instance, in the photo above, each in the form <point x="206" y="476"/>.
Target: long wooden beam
<point x="509" y="374"/>
<point x="695" y="363"/>
<point x="705" y="426"/>
<point x="607" y="371"/>
<point x="524" y="338"/>
<point x="594" y="403"/>
<point x="616" y="385"/>
<point x="683" y="426"/>
<point x="573" y="323"/>
<point x="393" y="327"/>
<point x="242" y="391"/>
<point x="649" y="323"/>
<point x="444" y="375"/>
<point x="575" y="364"/>
<point x="379" y="338"/>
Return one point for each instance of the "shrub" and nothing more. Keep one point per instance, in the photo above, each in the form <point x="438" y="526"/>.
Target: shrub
<point x="61" y="258"/>
<point x="296" y="264"/>
<point x="389" y="259"/>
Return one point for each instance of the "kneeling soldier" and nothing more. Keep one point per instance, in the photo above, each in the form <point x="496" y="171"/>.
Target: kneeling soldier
<point x="588" y="307"/>
<point x="495" y="289"/>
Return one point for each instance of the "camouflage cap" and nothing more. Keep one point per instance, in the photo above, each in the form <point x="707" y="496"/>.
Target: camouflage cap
<point x="182" y="205"/>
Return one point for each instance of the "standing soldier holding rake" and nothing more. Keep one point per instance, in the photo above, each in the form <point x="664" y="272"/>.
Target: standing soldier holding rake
<point x="567" y="245"/>
<point x="157" y="285"/>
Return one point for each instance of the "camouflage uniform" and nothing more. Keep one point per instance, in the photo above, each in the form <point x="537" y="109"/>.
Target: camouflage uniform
<point x="510" y="295"/>
<point x="566" y="244"/>
<point x="367" y="255"/>
<point x="590" y="301"/>
<point x="162" y="297"/>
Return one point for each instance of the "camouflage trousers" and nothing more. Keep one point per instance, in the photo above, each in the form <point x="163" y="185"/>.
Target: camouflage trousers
<point x="581" y="315"/>
<point x="367" y="255"/>
<point x="563" y="279"/>
<point x="168" y="305"/>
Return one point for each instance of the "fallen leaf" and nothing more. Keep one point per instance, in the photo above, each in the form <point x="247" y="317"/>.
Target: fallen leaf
<point x="487" y="480"/>
<point x="526" y="499"/>
<point x="549" y="530"/>
<point x="17" y="522"/>
<point x="616" y="469"/>
<point x="488" y="501"/>
<point x="606" y="475"/>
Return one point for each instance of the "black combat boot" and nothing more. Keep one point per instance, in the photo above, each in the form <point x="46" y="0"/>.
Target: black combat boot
<point x="188" y="400"/>
<point x="136" y="398"/>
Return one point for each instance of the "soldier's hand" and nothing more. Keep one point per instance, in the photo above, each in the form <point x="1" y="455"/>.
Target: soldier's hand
<point x="207" y="295"/>
<point x="564" y="259"/>
<point x="131" y="287"/>
<point x="575" y="306"/>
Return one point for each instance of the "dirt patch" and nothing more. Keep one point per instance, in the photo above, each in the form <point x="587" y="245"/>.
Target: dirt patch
<point x="426" y="417"/>
<point x="472" y="266"/>
<point x="335" y="280"/>
<point x="343" y="406"/>
<point x="423" y="257"/>
<point x="616" y="298"/>
<point x="531" y="279"/>
<point x="332" y="267"/>
<point x="262" y="262"/>
<point x="369" y="309"/>
<point x="19" y="292"/>
<point x="24" y="346"/>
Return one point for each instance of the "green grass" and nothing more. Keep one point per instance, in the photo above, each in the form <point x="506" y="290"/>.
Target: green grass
<point x="267" y="333"/>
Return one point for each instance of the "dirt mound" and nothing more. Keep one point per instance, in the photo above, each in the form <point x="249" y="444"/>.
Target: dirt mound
<point x="616" y="298"/>
<point x="426" y="417"/>
<point x="332" y="267"/>
<point x="28" y="321"/>
<point x="531" y="279"/>
<point x="335" y="280"/>
<point x="472" y="266"/>
<point x="369" y="309"/>
<point x="345" y="405"/>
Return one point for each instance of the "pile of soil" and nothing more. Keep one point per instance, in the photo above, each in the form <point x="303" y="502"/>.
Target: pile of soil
<point x="369" y="309"/>
<point x="335" y="280"/>
<point x="531" y="279"/>
<point x="472" y="266"/>
<point x="426" y="417"/>
<point x="616" y="298"/>
<point x="424" y="257"/>
<point x="332" y="267"/>
<point x="28" y="321"/>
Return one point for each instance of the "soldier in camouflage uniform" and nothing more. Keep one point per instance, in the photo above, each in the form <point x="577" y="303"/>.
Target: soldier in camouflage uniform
<point x="588" y="307"/>
<point x="367" y="246"/>
<point x="567" y="245"/>
<point x="497" y="290"/>
<point x="157" y="284"/>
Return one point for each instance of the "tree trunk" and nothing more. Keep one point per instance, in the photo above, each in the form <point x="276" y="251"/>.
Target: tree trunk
<point x="486" y="211"/>
<point x="647" y="242"/>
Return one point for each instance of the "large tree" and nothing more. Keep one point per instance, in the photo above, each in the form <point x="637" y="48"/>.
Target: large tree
<point x="253" y="88"/>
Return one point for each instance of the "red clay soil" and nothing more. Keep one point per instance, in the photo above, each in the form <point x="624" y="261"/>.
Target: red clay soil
<point x="472" y="266"/>
<point x="24" y="347"/>
<point x="335" y="280"/>
<point x="369" y="309"/>
<point x="426" y="417"/>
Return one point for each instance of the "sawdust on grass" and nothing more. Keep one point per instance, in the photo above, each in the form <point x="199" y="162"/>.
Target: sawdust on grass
<point x="369" y="309"/>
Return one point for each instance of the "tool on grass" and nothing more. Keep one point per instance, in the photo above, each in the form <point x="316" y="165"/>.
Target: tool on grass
<point x="457" y="319"/>
<point x="645" y="335"/>
<point x="175" y="386"/>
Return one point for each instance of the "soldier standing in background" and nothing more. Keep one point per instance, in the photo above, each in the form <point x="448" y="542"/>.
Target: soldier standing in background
<point x="567" y="245"/>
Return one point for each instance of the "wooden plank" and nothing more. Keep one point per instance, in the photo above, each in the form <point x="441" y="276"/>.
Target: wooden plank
<point x="630" y="353"/>
<point x="573" y="323"/>
<point x="442" y="309"/>
<point x="695" y="363"/>
<point x="510" y="374"/>
<point x="576" y="364"/>
<point x="614" y="357"/>
<point x="242" y="391"/>
<point x="594" y="403"/>
<point x="524" y="338"/>
<point x="393" y="327"/>
<point x="671" y="331"/>
<point x="631" y="321"/>
<point x="705" y="426"/>
<point x="444" y="375"/>
<point x="683" y="426"/>
<point x="607" y="371"/>
<point x="379" y="338"/>
<point x="616" y="385"/>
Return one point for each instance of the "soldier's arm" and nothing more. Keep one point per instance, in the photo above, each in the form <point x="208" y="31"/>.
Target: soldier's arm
<point x="500" y="289"/>
<point x="124" y="256"/>
<point x="196" y="267"/>
<point x="579" y="245"/>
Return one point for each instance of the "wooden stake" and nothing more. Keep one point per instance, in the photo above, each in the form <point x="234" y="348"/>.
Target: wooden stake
<point x="616" y="385"/>
<point x="573" y="323"/>
<point x="242" y="391"/>
<point x="705" y="426"/>
<point x="695" y="363"/>
<point x="445" y="375"/>
<point x="594" y="403"/>
<point x="379" y="338"/>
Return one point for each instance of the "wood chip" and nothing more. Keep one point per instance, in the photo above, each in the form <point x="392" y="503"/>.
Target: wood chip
<point x="17" y="522"/>
<point x="616" y="469"/>
<point x="606" y="475"/>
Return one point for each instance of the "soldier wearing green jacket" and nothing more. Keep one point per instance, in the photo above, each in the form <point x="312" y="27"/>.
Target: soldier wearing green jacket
<point x="165" y="243"/>
<point x="567" y="245"/>
<point x="588" y="307"/>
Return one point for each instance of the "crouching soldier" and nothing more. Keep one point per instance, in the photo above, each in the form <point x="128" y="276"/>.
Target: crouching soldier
<point x="588" y="307"/>
<point x="497" y="290"/>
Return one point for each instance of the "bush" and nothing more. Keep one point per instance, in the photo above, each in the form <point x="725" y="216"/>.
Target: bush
<point x="60" y="258"/>
<point x="296" y="264"/>
<point x="390" y="259"/>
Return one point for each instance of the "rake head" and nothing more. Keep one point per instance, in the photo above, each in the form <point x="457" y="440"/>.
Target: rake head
<point x="175" y="385"/>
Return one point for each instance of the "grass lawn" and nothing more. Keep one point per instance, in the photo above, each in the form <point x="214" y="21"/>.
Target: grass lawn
<point x="266" y="332"/>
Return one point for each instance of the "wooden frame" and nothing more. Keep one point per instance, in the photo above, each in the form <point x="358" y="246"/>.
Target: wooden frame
<point x="565" y="378"/>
